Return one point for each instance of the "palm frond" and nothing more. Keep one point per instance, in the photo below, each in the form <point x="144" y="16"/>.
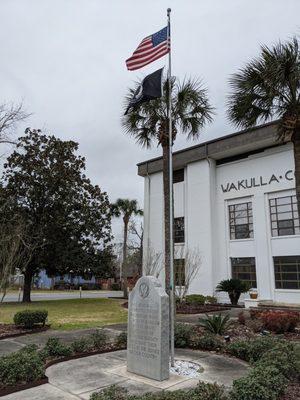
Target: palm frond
<point x="267" y="87"/>
<point x="191" y="111"/>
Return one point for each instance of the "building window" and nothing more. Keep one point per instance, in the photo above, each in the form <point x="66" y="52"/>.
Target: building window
<point x="179" y="271"/>
<point x="244" y="269"/>
<point x="241" y="221"/>
<point x="178" y="175"/>
<point x="284" y="216"/>
<point x="287" y="272"/>
<point x="179" y="230"/>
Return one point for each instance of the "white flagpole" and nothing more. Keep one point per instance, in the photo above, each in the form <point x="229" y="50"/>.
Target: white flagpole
<point x="172" y="308"/>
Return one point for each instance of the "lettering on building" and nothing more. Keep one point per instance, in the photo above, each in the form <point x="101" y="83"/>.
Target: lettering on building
<point x="249" y="183"/>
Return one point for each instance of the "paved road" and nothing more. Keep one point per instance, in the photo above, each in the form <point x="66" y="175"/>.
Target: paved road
<point x="86" y="294"/>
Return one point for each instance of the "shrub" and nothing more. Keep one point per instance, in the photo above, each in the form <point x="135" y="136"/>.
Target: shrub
<point x="207" y="342"/>
<point x="115" y="286"/>
<point x="55" y="348"/>
<point x="30" y="318"/>
<point x="280" y="321"/>
<point x="183" y="333"/>
<point x="121" y="340"/>
<point x="239" y="349"/>
<point x="208" y="391"/>
<point x="99" y="339"/>
<point x="81" y="345"/>
<point x="195" y="299"/>
<point x="255" y="324"/>
<point x="217" y="324"/>
<point x="110" y="393"/>
<point x="22" y="366"/>
<point x="262" y="383"/>
<point x="251" y="350"/>
<point x="211" y="299"/>
<point x="241" y="318"/>
<point x="234" y="288"/>
<point x="283" y="358"/>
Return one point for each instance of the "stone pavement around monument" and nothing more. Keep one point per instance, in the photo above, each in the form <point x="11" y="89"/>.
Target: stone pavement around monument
<point x="77" y="379"/>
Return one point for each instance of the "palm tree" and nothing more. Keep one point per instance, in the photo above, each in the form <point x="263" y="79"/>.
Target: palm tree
<point x="148" y="123"/>
<point x="125" y="208"/>
<point x="269" y="86"/>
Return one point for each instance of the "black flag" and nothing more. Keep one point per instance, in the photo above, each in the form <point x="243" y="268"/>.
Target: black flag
<point x="149" y="89"/>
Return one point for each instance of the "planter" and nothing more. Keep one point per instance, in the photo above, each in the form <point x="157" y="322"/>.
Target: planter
<point x="253" y="295"/>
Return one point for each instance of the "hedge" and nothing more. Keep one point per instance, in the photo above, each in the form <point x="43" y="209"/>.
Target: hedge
<point x="29" y="318"/>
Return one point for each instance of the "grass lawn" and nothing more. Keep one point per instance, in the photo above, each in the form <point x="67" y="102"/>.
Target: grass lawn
<point x="72" y="313"/>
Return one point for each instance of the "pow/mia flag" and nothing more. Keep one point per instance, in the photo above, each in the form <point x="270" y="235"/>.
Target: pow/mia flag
<point x="149" y="89"/>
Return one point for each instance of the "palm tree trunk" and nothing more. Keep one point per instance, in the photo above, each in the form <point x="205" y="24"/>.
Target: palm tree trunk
<point x="166" y="187"/>
<point x="296" y="141"/>
<point x="124" y="266"/>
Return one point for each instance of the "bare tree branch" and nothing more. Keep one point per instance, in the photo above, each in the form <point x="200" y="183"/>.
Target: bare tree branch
<point x="153" y="265"/>
<point x="10" y="116"/>
<point x="185" y="275"/>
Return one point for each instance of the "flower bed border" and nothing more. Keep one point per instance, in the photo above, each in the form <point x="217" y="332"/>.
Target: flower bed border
<point x="36" y="330"/>
<point x="44" y="380"/>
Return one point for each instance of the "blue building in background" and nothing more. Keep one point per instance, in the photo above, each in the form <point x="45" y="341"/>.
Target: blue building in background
<point x="43" y="281"/>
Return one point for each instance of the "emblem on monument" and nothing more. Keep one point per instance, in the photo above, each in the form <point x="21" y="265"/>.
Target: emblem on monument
<point x="144" y="290"/>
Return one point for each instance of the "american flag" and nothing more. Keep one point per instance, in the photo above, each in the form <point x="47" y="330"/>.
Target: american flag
<point x="150" y="49"/>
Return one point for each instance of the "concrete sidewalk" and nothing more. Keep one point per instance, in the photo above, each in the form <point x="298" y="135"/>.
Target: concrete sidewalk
<point x="13" y="344"/>
<point x="9" y="345"/>
<point x="78" y="379"/>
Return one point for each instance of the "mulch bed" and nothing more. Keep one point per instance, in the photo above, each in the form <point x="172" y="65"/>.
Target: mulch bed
<point x="196" y="309"/>
<point x="292" y="392"/>
<point x="200" y="309"/>
<point x="23" y="386"/>
<point x="10" y="330"/>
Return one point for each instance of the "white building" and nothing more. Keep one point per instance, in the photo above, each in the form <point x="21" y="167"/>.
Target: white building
<point x="234" y="201"/>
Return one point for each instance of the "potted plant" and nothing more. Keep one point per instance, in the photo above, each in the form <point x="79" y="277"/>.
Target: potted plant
<point x="253" y="294"/>
<point x="234" y="288"/>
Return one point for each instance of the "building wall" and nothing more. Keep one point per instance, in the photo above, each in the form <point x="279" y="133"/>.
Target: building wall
<point x="203" y="199"/>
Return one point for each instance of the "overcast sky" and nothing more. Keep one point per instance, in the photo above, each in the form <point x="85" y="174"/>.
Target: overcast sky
<point x="66" y="60"/>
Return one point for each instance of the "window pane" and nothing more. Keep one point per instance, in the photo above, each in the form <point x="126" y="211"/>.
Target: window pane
<point x="284" y="216"/>
<point x="179" y="271"/>
<point x="178" y="175"/>
<point x="244" y="269"/>
<point x="287" y="272"/>
<point x="179" y="230"/>
<point x="241" y="221"/>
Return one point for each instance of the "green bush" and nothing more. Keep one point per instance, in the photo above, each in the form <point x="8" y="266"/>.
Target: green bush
<point x="208" y="391"/>
<point x="207" y="342"/>
<point x="30" y="318"/>
<point x="195" y="299"/>
<point x="99" y="339"/>
<point x="282" y="357"/>
<point x="110" y="393"/>
<point x="81" y="345"/>
<point x="22" y="366"/>
<point x="217" y="324"/>
<point x="251" y="350"/>
<point x="262" y="383"/>
<point x="121" y="340"/>
<point x="239" y="349"/>
<point x="183" y="334"/>
<point x="115" y="286"/>
<point x="55" y="348"/>
<point x="211" y="299"/>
